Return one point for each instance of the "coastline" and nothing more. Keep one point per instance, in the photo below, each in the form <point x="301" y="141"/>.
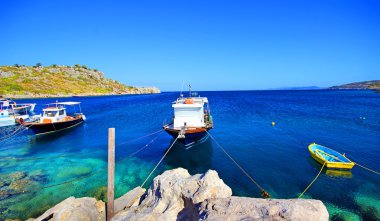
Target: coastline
<point x="145" y="91"/>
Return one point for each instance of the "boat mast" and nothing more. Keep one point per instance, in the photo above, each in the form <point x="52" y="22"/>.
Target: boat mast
<point x="190" y="90"/>
<point x="80" y="109"/>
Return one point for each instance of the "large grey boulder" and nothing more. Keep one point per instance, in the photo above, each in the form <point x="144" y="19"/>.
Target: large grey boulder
<point x="244" y="208"/>
<point x="76" y="209"/>
<point x="177" y="195"/>
<point x="174" y="194"/>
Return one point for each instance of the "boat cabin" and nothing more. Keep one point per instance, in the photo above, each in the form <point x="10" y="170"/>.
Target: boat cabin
<point x="53" y="114"/>
<point x="56" y="112"/>
<point x="191" y="112"/>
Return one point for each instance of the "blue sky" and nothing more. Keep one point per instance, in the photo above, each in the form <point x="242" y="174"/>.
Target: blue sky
<point x="214" y="45"/>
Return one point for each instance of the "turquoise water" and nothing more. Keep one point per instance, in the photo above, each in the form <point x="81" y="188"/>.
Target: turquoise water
<point x="275" y="156"/>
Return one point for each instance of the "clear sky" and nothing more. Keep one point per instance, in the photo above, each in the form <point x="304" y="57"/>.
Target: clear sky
<point x="214" y="45"/>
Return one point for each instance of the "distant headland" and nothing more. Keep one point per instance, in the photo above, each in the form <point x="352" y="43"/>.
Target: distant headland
<point x="20" y="81"/>
<point x="364" y="85"/>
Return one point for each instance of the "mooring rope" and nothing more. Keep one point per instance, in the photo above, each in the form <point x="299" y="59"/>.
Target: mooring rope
<point x="264" y="193"/>
<point x="159" y="162"/>
<point x="5" y="138"/>
<point x="76" y="154"/>
<point x="148" y="135"/>
<point x="320" y="171"/>
<point x="17" y="131"/>
<point x="373" y="171"/>
<point x="141" y="149"/>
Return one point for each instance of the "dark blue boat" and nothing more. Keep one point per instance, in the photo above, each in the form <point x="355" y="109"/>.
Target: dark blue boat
<point x="55" y="119"/>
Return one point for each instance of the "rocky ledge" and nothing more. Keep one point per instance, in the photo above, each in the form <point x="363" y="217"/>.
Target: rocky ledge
<point x="176" y="195"/>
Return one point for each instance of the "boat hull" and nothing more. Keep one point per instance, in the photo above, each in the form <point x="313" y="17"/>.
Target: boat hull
<point x="44" y="128"/>
<point x="347" y="165"/>
<point x="192" y="136"/>
<point x="7" y="121"/>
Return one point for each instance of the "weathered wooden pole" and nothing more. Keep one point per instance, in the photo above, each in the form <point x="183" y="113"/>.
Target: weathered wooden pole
<point x="111" y="173"/>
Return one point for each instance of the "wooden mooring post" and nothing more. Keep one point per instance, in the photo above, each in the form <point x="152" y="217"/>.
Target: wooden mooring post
<point x="111" y="173"/>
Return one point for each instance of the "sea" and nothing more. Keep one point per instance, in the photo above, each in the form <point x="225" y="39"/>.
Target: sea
<point x="266" y="132"/>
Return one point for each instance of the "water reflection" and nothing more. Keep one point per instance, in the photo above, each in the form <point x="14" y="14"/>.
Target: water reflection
<point x="339" y="173"/>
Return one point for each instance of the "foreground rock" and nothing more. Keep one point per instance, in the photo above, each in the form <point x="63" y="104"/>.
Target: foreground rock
<point x="176" y="195"/>
<point x="75" y="209"/>
<point x="243" y="208"/>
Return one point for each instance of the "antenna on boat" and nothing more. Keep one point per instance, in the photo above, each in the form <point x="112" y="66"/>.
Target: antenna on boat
<point x="180" y="94"/>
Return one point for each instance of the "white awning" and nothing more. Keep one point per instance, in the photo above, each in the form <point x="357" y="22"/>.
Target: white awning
<point x="66" y="103"/>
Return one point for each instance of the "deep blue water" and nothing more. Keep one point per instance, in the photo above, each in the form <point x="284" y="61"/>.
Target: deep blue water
<point x="275" y="156"/>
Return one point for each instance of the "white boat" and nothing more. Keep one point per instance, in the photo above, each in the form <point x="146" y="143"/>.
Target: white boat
<point x="192" y="119"/>
<point x="11" y="113"/>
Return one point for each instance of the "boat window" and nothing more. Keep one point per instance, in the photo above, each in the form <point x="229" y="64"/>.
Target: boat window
<point x="61" y="112"/>
<point x="50" y="113"/>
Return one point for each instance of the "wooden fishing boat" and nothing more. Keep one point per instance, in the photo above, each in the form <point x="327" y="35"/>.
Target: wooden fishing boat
<point x="55" y="118"/>
<point x="192" y="119"/>
<point x="331" y="158"/>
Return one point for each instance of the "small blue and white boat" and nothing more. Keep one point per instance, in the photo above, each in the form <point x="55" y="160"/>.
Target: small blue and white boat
<point x="12" y="113"/>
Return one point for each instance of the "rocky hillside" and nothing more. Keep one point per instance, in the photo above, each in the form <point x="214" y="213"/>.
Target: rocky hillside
<point x="176" y="195"/>
<point x="364" y="85"/>
<point x="59" y="81"/>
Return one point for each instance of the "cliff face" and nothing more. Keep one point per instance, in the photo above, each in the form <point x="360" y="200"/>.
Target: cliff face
<point x="372" y="85"/>
<point x="59" y="81"/>
<point x="176" y="195"/>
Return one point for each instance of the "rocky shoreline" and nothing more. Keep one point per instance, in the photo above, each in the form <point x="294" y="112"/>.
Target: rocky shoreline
<point x="139" y="90"/>
<point x="364" y="85"/>
<point x="177" y="195"/>
<point x="61" y="81"/>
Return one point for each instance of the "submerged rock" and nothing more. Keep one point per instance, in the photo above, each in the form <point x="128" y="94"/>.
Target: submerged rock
<point x="368" y="206"/>
<point x="337" y="214"/>
<point x="100" y="193"/>
<point x="74" y="172"/>
<point x="38" y="176"/>
<point x="17" y="175"/>
<point x="76" y="209"/>
<point x="20" y="184"/>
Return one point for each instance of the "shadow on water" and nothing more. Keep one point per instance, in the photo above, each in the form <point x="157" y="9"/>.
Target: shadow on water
<point x="50" y="141"/>
<point x="46" y="138"/>
<point x="196" y="159"/>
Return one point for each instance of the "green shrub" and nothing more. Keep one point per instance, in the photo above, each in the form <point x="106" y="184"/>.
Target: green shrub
<point x="27" y="80"/>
